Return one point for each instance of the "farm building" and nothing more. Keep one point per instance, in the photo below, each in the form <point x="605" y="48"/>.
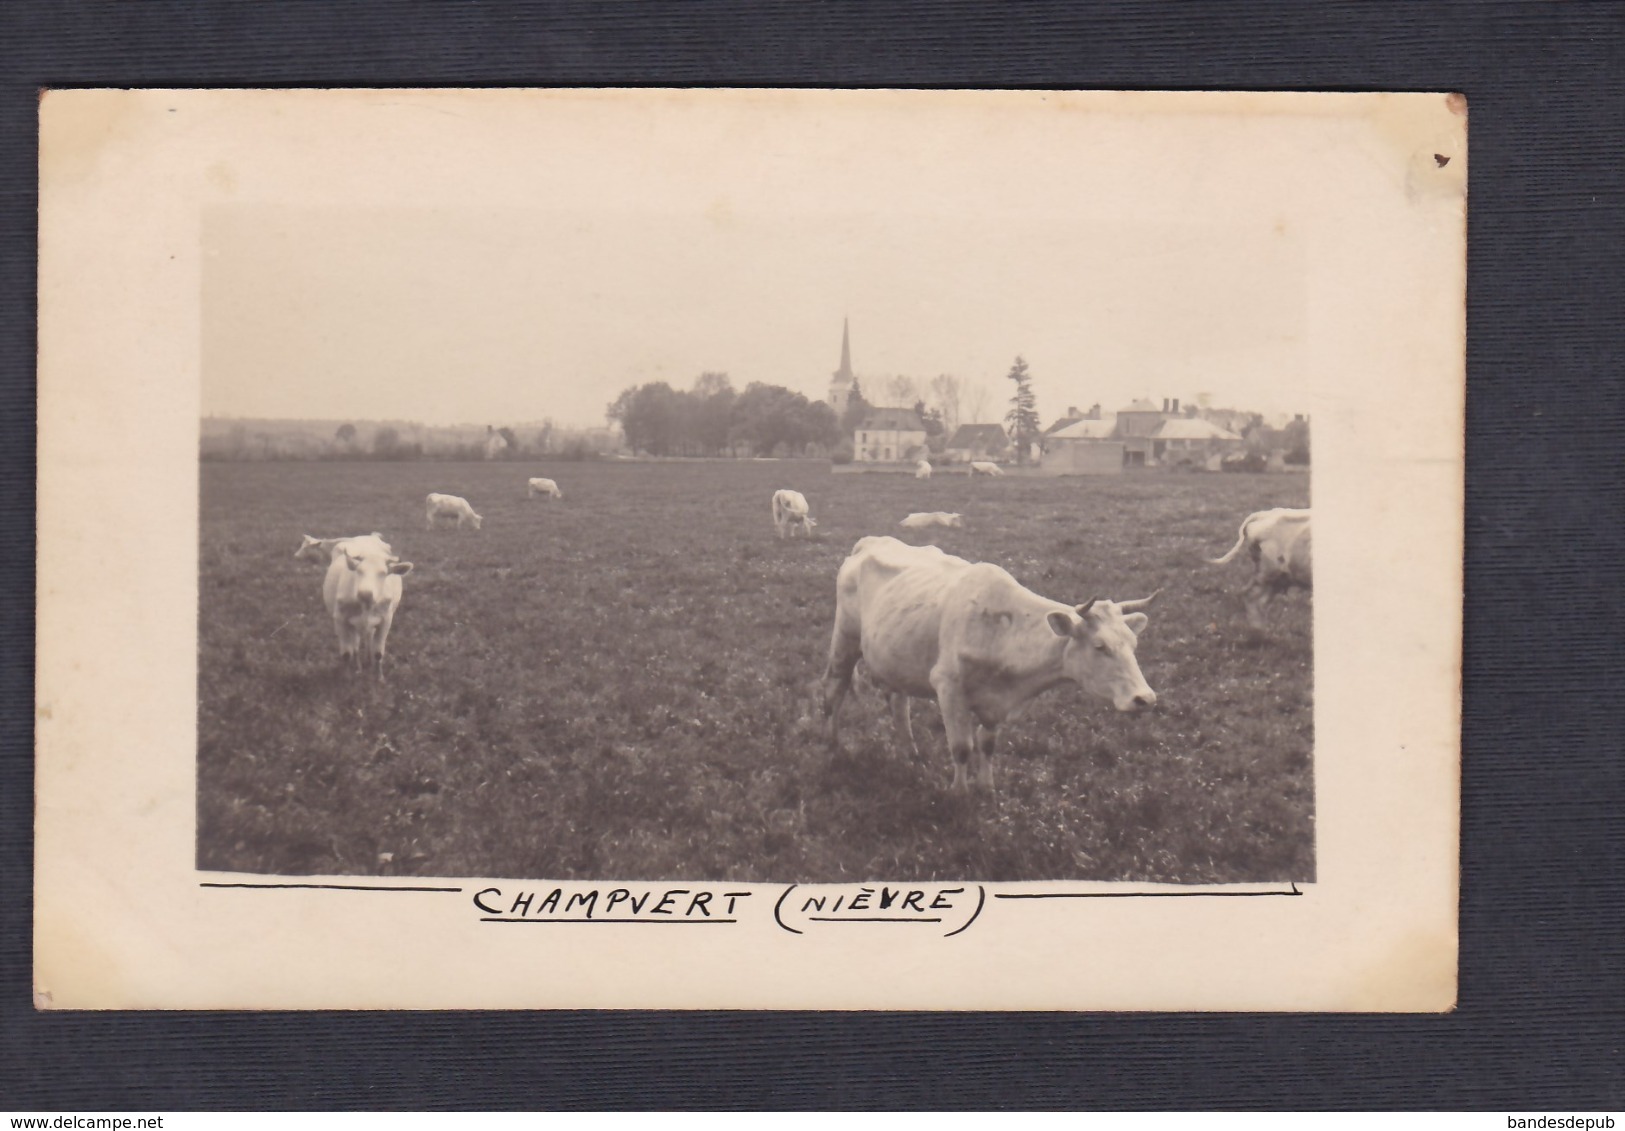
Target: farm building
<point x="1073" y="415"/>
<point x="1135" y="425"/>
<point x="1141" y="435"/>
<point x="888" y="434"/>
<point x="1084" y="447"/>
<point x="496" y="444"/>
<point x="978" y="441"/>
<point x="1181" y="441"/>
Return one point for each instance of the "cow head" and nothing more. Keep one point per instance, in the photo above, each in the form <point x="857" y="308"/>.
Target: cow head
<point x="477" y="519"/>
<point x="1099" y="656"/>
<point x="371" y="566"/>
<point x="955" y="520"/>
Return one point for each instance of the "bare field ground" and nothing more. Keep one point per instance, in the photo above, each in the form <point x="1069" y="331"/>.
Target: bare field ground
<point x="616" y="684"/>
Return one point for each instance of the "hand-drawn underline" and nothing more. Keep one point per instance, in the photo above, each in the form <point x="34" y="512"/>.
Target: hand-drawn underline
<point x="331" y="887"/>
<point x="874" y="919"/>
<point x="1142" y="894"/>
<point x="551" y="919"/>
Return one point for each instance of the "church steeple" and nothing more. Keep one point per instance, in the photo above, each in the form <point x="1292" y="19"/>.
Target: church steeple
<point x="840" y="382"/>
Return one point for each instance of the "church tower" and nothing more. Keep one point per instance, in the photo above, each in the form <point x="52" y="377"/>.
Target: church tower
<point x="840" y="382"/>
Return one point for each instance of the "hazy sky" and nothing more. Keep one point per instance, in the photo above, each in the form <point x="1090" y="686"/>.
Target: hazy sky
<point x="490" y="312"/>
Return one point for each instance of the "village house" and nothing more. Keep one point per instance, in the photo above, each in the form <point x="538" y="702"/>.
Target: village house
<point x="1187" y="442"/>
<point x="1084" y="447"/>
<point x="887" y="434"/>
<point x="977" y="442"/>
<point x="1140" y="435"/>
<point x="1073" y="415"/>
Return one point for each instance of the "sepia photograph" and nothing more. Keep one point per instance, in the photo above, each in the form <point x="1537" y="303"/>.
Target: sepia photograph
<point x="873" y="525"/>
<point x="753" y="543"/>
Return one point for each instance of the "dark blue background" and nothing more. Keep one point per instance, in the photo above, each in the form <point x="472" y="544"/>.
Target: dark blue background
<point x="1543" y="906"/>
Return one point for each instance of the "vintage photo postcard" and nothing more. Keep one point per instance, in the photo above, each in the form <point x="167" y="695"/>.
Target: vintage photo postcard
<point x="749" y="549"/>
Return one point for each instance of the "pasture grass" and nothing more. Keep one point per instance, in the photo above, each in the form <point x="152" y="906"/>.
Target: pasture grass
<point x="618" y="684"/>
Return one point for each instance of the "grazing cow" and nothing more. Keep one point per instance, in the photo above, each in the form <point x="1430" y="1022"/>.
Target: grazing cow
<point x="543" y="487"/>
<point x="789" y="512"/>
<point x="362" y="590"/>
<point x="929" y="625"/>
<point x="452" y="507"/>
<point x="921" y="520"/>
<point x="322" y="549"/>
<point x="1278" y="542"/>
<point x="922" y="470"/>
<point x="983" y="467"/>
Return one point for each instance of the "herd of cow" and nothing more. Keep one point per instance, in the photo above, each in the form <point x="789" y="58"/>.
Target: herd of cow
<point x="926" y="624"/>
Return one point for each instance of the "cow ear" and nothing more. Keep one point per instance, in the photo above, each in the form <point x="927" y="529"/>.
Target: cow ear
<point x="1136" y="621"/>
<point x="403" y="568"/>
<point x="1061" y="624"/>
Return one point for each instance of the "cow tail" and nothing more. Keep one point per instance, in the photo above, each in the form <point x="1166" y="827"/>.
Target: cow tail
<point x="1234" y="550"/>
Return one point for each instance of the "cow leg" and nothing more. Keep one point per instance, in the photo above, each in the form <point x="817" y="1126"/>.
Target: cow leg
<point x="338" y="630"/>
<point x="900" y="708"/>
<point x="985" y="738"/>
<point x="348" y="641"/>
<point x="845" y="649"/>
<point x="960" y="727"/>
<point x="1258" y="597"/>
<point x="428" y="520"/>
<point x="367" y="635"/>
<point x="380" y="638"/>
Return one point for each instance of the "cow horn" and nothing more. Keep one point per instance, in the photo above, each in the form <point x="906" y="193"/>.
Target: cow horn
<point x="1136" y="606"/>
<point x="1083" y="609"/>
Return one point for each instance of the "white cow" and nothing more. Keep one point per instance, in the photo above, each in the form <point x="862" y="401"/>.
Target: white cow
<point x="922" y="470"/>
<point x="452" y="507"/>
<point x="921" y="520"/>
<point x="322" y="549"/>
<point x="543" y="487"/>
<point x="362" y="590"/>
<point x="790" y="511"/>
<point x="983" y="467"/>
<point x="929" y="625"/>
<point x="1278" y="542"/>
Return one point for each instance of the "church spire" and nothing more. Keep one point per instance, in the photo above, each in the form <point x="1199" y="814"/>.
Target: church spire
<point x="840" y="382"/>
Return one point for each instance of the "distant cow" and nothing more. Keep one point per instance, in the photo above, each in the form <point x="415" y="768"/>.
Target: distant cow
<point x="790" y="511"/>
<point x="322" y="549"/>
<point x="543" y="487"/>
<point x="920" y="520"/>
<point x="450" y="506"/>
<point x="1278" y="543"/>
<point x="983" y="467"/>
<point x="362" y="590"/>
<point x="922" y="470"/>
<point x="929" y="625"/>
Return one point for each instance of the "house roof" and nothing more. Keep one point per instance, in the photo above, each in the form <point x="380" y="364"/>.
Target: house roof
<point x="1087" y="430"/>
<point x="987" y="435"/>
<point x="892" y="420"/>
<point x="1181" y="428"/>
<point x="1141" y="405"/>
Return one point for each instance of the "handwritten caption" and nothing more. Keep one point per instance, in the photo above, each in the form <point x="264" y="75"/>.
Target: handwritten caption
<point x="799" y="909"/>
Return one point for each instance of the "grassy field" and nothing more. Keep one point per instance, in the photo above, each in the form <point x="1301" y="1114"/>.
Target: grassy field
<point x="616" y="685"/>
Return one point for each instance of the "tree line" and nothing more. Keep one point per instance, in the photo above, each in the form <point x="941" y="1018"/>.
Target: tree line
<point x="712" y="418"/>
